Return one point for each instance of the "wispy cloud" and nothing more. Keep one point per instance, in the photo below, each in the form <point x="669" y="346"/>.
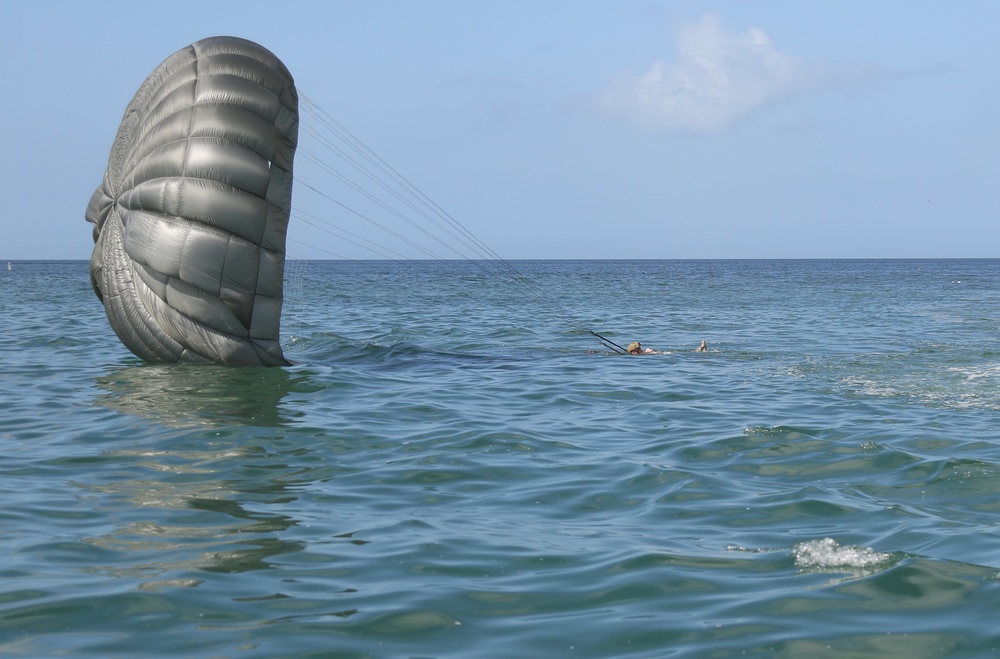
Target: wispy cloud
<point x="718" y="77"/>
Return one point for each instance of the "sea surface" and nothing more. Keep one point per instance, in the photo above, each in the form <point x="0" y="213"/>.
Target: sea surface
<point x="455" y="466"/>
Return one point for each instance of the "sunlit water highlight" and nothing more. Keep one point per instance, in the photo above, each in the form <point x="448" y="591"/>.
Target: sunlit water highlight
<point x="450" y="470"/>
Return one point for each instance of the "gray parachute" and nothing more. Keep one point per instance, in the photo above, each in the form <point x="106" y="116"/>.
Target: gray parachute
<point x="190" y="221"/>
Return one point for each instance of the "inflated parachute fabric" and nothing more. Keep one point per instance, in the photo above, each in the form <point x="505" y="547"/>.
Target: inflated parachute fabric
<point x="190" y="221"/>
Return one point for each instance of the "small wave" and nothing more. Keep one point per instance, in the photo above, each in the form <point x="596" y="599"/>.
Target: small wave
<point x="828" y="554"/>
<point x="776" y="431"/>
<point x="980" y="372"/>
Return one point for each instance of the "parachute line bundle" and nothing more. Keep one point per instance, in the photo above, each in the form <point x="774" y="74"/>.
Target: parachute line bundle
<point x="387" y="215"/>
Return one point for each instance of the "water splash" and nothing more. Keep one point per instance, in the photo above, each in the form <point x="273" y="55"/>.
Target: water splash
<point x="828" y="554"/>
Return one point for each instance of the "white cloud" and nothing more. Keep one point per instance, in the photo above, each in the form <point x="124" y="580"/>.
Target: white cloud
<point x="718" y="78"/>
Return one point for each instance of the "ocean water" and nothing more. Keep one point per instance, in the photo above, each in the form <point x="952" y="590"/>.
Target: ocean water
<point x="455" y="467"/>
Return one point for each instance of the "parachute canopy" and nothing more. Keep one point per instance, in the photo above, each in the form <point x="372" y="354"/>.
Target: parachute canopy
<point x="190" y="221"/>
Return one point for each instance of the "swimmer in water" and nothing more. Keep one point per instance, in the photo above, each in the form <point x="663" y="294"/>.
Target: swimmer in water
<point x="635" y="348"/>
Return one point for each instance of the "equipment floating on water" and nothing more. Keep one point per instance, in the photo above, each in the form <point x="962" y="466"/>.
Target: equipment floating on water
<point x="190" y="220"/>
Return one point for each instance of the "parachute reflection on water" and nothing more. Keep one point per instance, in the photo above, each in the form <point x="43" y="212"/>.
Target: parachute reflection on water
<point x="190" y="220"/>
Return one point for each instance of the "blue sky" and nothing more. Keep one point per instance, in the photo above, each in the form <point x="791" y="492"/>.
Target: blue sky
<point x="569" y="129"/>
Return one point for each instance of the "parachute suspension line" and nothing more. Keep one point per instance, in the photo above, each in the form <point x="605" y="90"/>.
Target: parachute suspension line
<point x="400" y="184"/>
<point x="373" y="222"/>
<point x="416" y="200"/>
<point x="371" y="197"/>
<point x="364" y="161"/>
<point x="395" y="183"/>
<point x="429" y="210"/>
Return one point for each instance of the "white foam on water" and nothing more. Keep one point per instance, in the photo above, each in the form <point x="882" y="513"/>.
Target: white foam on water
<point x="828" y="554"/>
<point x="979" y="372"/>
